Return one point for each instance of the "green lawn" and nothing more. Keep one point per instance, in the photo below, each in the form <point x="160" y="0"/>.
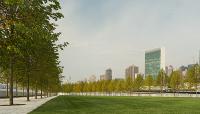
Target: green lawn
<point x="119" y="105"/>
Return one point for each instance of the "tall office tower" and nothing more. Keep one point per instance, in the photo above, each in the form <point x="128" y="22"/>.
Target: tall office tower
<point x="154" y="61"/>
<point x="131" y="71"/>
<point x="108" y="74"/>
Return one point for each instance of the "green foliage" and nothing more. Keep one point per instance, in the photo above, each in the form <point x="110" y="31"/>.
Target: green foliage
<point x="138" y="82"/>
<point x="28" y="43"/>
<point x="111" y="86"/>
<point x="175" y="81"/>
<point x="120" y="86"/>
<point x="161" y="79"/>
<point x="193" y="76"/>
<point x="149" y="82"/>
<point x="129" y="84"/>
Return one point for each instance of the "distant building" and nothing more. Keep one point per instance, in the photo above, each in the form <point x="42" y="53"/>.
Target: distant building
<point x="108" y="74"/>
<point x="102" y="77"/>
<point x="154" y="61"/>
<point x="168" y="70"/>
<point x="184" y="73"/>
<point x="190" y="66"/>
<point x="139" y="74"/>
<point x="92" y="78"/>
<point x="183" y="70"/>
<point x="131" y="71"/>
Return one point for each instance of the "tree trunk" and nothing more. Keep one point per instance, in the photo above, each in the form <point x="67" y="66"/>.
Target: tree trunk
<point x="12" y="27"/>
<point x="161" y="90"/>
<point x="16" y="89"/>
<point x="149" y="90"/>
<point x="36" y="91"/>
<point x="47" y="88"/>
<point x="196" y="90"/>
<point x="23" y="89"/>
<point x="174" y="93"/>
<point x="7" y="81"/>
<point x="32" y="92"/>
<point x="50" y="92"/>
<point x="41" y="93"/>
<point x="11" y="82"/>
<point x="28" y="87"/>
<point x="28" y="78"/>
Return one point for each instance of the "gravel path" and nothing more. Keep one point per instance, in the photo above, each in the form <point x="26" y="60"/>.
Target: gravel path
<point x="23" y="106"/>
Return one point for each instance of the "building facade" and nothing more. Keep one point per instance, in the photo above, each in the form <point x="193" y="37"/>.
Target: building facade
<point x="154" y="61"/>
<point x="102" y="77"/>
<point x="108" y="74"/>
<point x="131" y="71"/>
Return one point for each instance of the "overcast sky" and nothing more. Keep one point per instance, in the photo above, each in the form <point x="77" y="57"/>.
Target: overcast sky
<point x="115" y="33"/>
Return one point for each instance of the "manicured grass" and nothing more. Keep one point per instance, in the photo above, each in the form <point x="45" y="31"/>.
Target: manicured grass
<point x="119" y="105"/>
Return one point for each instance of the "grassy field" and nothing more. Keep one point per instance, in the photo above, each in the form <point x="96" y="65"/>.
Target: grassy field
<point x="119" y="105"/>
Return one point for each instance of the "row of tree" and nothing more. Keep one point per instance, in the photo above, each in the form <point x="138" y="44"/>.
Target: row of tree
<point x="175" y="82"/>
<point x="28" y="48"/>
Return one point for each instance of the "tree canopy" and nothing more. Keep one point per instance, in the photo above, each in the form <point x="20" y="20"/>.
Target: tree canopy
<point x="28" y="47"/>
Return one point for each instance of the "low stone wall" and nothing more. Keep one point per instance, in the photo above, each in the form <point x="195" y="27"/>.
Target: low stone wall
<point x="133" y="94"/>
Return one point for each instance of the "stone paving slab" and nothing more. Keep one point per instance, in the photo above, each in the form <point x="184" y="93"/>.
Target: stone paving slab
<point x="22" y="106"/>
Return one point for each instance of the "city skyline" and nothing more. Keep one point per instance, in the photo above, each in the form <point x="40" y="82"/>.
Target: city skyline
<point x="114" y="33"/>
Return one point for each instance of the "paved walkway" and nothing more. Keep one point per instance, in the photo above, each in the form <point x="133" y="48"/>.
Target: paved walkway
<point x="23" y="106"/>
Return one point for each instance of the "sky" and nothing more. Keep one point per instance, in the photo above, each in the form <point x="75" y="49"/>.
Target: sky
<point x="115" y="34"/>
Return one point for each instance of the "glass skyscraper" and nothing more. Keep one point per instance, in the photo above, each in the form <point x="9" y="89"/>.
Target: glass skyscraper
<point x="154" y="62"/>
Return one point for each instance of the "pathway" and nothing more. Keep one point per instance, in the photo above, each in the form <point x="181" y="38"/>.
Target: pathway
<point x="23" y="106"/>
